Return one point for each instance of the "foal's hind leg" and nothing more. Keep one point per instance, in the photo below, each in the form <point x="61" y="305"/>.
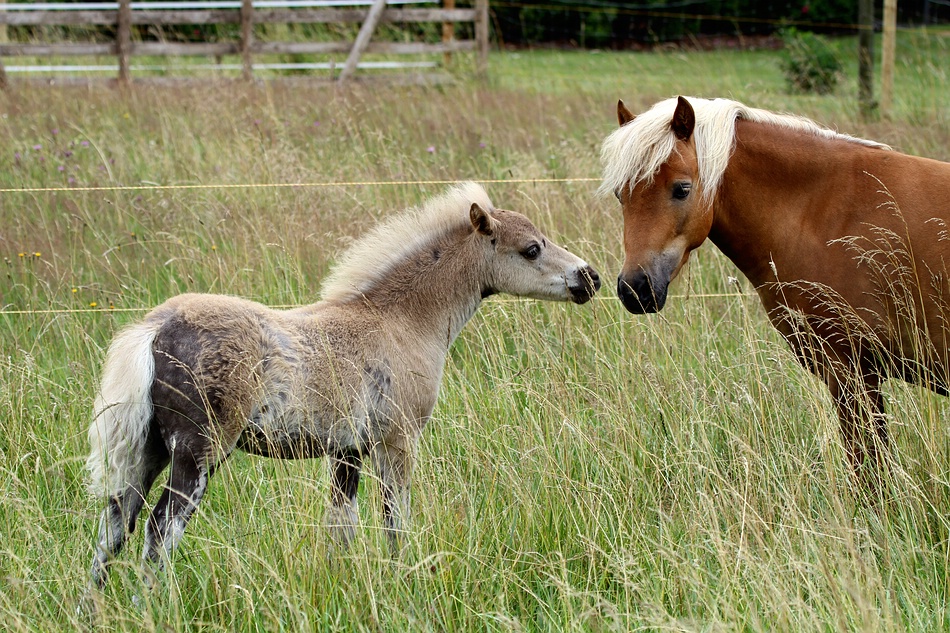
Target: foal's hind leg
<point x="118" y="521"/>
<point x="342" y="517"/>
<point x="118" y="518"/>
<point x="186" y="485"/>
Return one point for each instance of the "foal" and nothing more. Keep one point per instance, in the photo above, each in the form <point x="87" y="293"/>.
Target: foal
<point x="353" y="377"/>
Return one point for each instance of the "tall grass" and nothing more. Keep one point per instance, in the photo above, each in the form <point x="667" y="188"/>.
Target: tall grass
<point x="585" y="469"/>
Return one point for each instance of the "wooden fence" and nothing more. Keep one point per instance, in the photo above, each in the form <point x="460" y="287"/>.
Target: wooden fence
<point x="124" y="14"/>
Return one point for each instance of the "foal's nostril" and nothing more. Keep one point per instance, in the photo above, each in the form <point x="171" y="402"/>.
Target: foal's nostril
<point x="594" y="278"/>
<point x="586" y="285"/>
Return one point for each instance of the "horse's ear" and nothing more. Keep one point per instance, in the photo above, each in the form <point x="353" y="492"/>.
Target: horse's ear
<point x="624" y="115"/>
<point x="684" y="119"/>
<point x="481" y="220"/>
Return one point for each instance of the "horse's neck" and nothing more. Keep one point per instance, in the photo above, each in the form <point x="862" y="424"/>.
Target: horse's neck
<point x="435" y="295"/>
<point x="776" y="186"/>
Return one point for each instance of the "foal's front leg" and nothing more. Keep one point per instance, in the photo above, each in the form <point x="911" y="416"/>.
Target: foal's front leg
<point x="393" y="461"/>
<point x="341" y="517"/>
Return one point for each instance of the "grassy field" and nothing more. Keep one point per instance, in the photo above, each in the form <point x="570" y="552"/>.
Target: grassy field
<point x="585" y="469"/>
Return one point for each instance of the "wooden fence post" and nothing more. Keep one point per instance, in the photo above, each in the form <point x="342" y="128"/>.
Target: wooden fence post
<point x="481" y="38"/>
<point x="247" y="39"/>
<point x="123" y="42"/>
<point x="362" y="38"/>
<point x="3" y="40"/>
<point x="887" y="55"/>
<point x="3" y="31"/>
<point x="866" y="57"/>
<point x="448" y="32"/>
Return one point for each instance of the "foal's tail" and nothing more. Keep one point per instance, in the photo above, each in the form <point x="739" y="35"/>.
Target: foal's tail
<point x="122" y="412"/>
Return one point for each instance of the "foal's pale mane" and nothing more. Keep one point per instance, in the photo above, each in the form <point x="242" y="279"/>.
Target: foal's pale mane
<point x="370" y="258"/>
<point x="634" y="153"/>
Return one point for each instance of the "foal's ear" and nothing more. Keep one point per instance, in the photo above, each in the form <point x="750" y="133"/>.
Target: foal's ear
<point x="481" y="220"/>
<point x="624" y="115"/>
<point x="684" y="119"/>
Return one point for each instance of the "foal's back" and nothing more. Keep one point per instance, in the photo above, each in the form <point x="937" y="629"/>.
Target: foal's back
<point x="283" y="383"/>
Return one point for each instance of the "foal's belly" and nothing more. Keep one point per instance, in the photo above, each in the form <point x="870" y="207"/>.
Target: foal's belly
<point x="292" y="435"/>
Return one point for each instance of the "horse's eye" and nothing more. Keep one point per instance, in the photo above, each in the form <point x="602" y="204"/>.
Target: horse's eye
<point x="617" y="193"/>
<point x="532" y="252"/>
<point x="681" y="190"/>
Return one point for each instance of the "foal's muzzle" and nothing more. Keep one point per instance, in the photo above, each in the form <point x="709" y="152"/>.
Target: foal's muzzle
<point x="588" y="286"/>
<point x="639" y="295"/>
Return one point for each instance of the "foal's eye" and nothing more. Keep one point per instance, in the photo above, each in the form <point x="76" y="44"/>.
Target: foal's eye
<point x="681" y="190"/>
<point x="532" y="252"/>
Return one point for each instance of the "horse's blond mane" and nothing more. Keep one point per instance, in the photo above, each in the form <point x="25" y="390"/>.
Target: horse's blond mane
<point x="634" y="152"/>
<point x="392" y="240"/>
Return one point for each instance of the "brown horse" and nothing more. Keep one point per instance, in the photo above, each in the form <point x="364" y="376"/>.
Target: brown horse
<point x="845" y="241"/>
<point x="352" y="377"/>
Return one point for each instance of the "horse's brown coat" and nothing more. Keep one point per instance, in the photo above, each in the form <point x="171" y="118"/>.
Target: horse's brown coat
<point x="845" y="242"/>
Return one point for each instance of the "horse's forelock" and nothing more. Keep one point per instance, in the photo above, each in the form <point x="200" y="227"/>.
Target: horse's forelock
<point x="633" y="153"/>
<point x="392" y="240"/>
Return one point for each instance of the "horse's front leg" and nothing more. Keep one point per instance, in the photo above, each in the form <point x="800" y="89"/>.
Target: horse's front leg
<point x="341" y="518"/>
<point x="860" y="406"/>
<point x="394" y="461"/>
<point x="855" y="387"/>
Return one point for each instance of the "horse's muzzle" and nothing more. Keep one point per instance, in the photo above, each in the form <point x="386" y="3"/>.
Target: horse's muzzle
<point x="639" y="295"/>
<point x="588" y="286"/>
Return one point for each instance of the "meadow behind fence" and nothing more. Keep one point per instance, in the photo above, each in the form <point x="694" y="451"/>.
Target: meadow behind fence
<point x="584" y="470"/>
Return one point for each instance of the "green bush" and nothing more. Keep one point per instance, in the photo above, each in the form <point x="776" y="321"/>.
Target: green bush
<point x="810" y="63"/>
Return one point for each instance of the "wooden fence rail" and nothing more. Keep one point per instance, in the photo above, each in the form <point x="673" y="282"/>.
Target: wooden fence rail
<point x="125" y="14"/>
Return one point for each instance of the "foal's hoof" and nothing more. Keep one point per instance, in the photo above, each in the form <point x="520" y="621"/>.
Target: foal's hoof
<point x="88" y="608"/>
<point x="341" y="526"/>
